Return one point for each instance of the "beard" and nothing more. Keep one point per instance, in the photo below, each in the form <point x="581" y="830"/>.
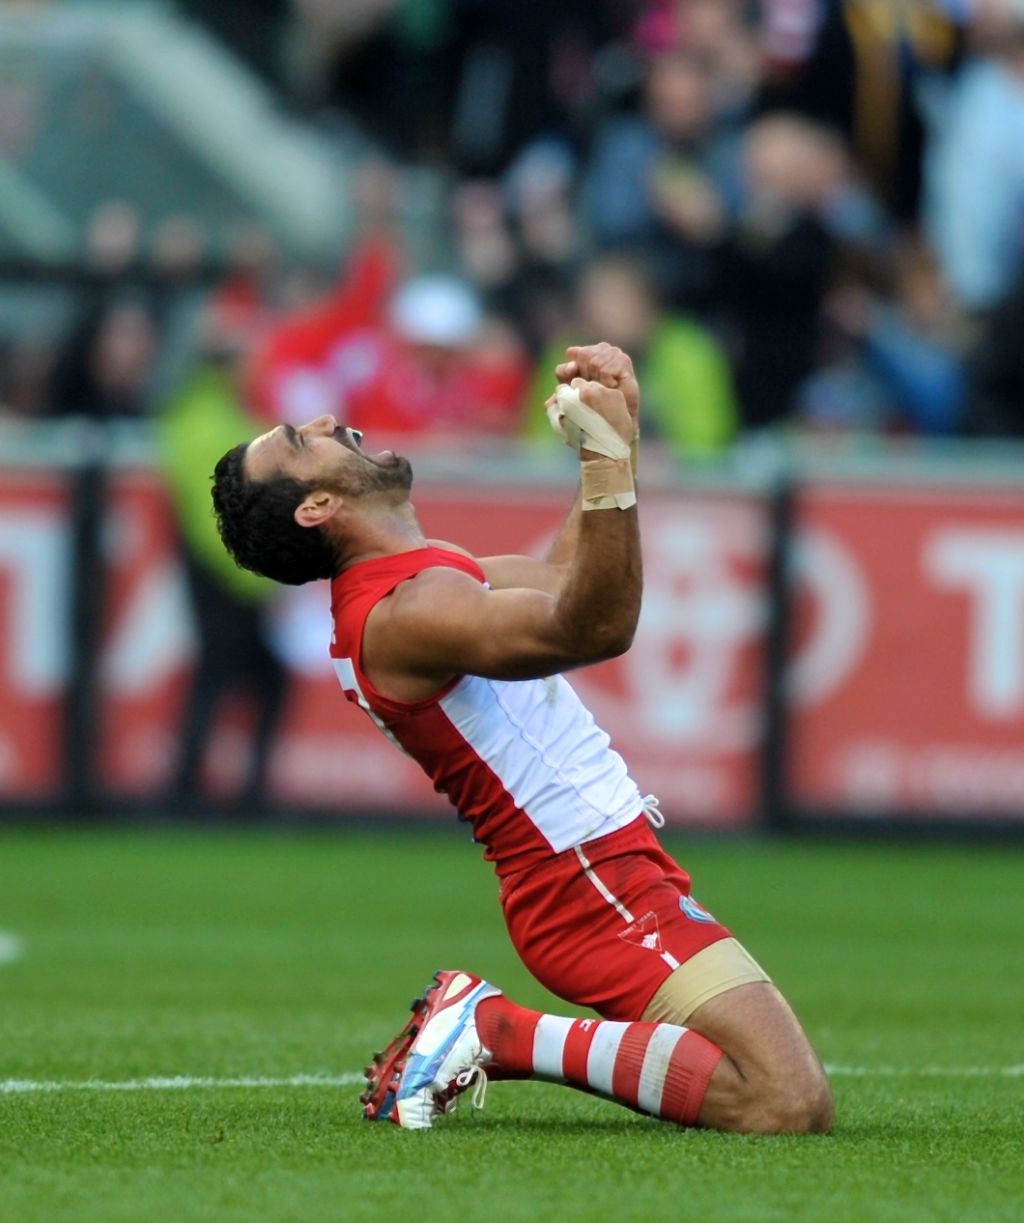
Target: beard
<point x="391" y="475"/>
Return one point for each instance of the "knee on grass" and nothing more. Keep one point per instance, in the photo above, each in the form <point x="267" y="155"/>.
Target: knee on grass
<point x="784" y="1104"/>
<point x="792" y="1108"/>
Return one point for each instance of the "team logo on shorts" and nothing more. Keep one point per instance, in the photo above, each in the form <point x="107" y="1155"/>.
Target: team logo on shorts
<point x="694" y="911"/>
<point x="644" y="932"/>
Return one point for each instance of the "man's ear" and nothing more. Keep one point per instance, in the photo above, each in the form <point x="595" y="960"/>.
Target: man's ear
<point x="317" y="507"/>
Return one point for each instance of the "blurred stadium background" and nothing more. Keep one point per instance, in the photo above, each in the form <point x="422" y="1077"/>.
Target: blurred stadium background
<point x="806" y="220"/>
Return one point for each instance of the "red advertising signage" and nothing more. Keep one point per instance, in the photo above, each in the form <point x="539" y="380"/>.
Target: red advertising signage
<point x="34" y="594"/>
<point x="681" y="707"/>
<point x="147" y="640"/>
<point x="913" y="699"/>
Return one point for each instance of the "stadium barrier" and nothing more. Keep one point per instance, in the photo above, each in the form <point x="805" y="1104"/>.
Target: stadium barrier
<point x="815" y="649"/>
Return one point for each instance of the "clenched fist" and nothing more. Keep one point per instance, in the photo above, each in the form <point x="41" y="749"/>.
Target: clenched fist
<point x="608" y="365"/>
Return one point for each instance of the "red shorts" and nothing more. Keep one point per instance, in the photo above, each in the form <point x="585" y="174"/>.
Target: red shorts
<point x="605" y="924"/>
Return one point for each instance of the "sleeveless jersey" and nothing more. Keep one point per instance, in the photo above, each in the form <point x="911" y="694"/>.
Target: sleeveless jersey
<point x="522" y="761"/>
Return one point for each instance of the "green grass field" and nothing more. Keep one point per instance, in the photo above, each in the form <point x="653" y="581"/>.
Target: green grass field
<point x="268" y="955"/>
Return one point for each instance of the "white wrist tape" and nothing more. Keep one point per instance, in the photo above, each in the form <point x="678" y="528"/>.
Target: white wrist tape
<point x="606" y="484"/>
<point x="582" y="428"/>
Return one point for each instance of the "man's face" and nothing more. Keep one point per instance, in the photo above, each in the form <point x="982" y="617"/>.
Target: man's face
<point x="322" y="454"/>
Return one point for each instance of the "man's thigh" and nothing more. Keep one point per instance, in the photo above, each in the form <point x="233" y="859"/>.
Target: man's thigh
<point x="757" y="1028"/>
<point x="716" y="969"/>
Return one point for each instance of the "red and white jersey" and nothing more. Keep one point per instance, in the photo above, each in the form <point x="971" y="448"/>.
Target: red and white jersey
<point x="522" y="761"/>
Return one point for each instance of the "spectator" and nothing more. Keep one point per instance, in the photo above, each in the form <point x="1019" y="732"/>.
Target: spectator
<point x="975" y="198"/>
<point x="833" y="190"/>
<point x="245" y="290"/>
<point x="299" y="368"/>
<point x="106" y="364"/>
<point x="866" y="62"/>
<point x="716" y="31"/>
<point x="106" y="370"/>
<point x="420" y="359"/>
<point x="203" y="419"/>
<point x="26" y="372"/>
<point x="841" y="397"/>
<point x="915" y="344"/>
<point x="789" y="33"/>
<point x="996" y="406"/>
<point x="776" y="264"/>
<point x="689" y="400"/>
<point x="463" y="82"/>
<point x="525" y="70"/>
<point x="662" y="182"/>
<point x="443" y="366"/>
<point x="539" y="191"/>
<point x="897" y="362"/>
<point x="176" y="257"/>
<point x="485" y="248"/>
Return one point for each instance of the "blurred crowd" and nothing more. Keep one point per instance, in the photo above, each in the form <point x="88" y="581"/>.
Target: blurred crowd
<point x="798" y="213"/>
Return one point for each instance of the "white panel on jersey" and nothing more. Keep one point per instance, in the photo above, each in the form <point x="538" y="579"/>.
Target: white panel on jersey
<point x="346" y="674"/>
<point x="545" y="748"/>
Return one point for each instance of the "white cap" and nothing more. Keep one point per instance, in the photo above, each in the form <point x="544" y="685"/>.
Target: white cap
<point x="436" y="309"/>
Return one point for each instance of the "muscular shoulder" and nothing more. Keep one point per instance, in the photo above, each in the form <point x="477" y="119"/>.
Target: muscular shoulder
<point x="444" y="622"/>
<point x="430" y="593"/>
<point x="406" y="633"/>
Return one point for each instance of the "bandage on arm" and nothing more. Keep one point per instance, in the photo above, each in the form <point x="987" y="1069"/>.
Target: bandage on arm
<point x="606" y="483"/>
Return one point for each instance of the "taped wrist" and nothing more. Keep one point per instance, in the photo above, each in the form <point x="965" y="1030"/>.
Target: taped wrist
<point x="606" y="484"/>
<point x="582" y="428"/>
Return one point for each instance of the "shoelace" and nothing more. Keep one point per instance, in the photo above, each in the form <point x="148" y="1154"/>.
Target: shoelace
<point x="477" y="1077"/>
<point x="472" y="1076"/>
<point x="652" y="809"/>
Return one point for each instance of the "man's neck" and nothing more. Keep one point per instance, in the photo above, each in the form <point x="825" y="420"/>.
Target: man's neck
<point x="384" y="531"/>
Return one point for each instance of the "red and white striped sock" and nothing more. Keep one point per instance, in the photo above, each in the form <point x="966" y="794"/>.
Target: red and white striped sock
<point x="657" y="1068"/>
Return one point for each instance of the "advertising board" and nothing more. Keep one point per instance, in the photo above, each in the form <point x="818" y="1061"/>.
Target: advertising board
<point x="918" y="705"/>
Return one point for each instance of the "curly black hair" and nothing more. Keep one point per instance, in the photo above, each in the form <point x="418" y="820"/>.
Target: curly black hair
<point x="256" y="520"/>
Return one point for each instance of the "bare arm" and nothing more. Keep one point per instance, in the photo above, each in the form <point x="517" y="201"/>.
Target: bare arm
<point x="549" y="574"/>
<point x="563" y="546"/>
<point x="443" y="622"/>
<point x="515" y="571"/>
<point x="611" y="367"/>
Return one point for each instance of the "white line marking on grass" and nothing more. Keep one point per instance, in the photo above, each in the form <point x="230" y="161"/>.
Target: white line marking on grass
<point x="180" y="1082"/>
<point x="11" y="947"/>
<point x="926" y="1072"/>
<point x="184" y="1082"/>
